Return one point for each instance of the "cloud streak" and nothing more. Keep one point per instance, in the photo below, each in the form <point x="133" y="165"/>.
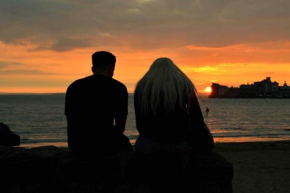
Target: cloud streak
<point x="35" y="72"/>
<point x="4" y="64"/>
<point x="23" y="72"/>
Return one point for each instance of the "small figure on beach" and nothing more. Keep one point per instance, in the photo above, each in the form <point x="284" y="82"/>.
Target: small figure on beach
<point x="207" y="110"/>
<point x="92" y="105"/>
<point x="168" y="115"/>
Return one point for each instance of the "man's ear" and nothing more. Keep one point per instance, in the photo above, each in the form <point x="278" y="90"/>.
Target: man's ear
<point x="93" y="69"/>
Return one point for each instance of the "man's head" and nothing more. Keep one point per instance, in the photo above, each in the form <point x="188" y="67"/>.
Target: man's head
<point x="103" y="63"/>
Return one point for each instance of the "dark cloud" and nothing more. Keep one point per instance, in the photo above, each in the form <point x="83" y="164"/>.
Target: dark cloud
<point x="65" y="44"/>
<point x="62" y="25"/>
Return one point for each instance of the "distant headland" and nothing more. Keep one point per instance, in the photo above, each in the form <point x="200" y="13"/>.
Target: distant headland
<point x="262" y="89"/>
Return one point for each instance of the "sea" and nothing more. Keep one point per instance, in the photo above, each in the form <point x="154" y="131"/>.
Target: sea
<point x="39" y="119"/>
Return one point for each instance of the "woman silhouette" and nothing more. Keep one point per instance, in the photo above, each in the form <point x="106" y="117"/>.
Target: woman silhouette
<point x="168" y="115"/>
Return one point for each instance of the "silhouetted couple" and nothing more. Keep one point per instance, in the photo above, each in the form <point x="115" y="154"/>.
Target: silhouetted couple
<point x="168" y="115"/>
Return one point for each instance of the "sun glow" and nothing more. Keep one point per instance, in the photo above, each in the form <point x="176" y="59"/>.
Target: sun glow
<point x="208" y="89"/>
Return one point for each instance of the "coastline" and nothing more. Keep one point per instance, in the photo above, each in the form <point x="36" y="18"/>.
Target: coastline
<point x="247" y="97"/>
<point x="258" y="166"/>
<point x="218" y="141"/>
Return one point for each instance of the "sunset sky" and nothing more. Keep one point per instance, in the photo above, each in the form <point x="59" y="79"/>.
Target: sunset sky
<point x="47" y="44"/>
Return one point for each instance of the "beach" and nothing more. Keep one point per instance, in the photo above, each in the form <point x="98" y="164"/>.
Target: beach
<point x="258" y="166"/>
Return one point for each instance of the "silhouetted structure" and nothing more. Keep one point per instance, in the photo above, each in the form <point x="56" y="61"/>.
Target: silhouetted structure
<point x="263" y="89"/>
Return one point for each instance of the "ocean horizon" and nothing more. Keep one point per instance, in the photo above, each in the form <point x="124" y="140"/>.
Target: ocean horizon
<point x="39" y="118"/>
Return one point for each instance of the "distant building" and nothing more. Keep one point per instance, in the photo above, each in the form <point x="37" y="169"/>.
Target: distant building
<point x="284" y="91"/>
<point x="285" y="87"/>
<point x="247" y="89"/>
<point x="218" y="90"/>
<point x="264" y="88"/>
<point x="233" y="91"/>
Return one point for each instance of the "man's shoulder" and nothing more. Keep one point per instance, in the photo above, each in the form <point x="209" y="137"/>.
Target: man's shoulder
<point x="77" y="83"/>
<point x="96" y="80"/>
<point x="119" y="84"/>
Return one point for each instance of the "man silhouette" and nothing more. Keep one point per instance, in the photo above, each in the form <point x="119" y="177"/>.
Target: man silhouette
<point x="92" y="106"/>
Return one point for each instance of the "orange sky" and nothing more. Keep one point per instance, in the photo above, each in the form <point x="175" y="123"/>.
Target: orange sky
<point x="46" y="45"/>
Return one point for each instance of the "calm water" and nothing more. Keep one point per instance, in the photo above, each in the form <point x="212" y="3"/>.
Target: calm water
<point x="40" y="120"/>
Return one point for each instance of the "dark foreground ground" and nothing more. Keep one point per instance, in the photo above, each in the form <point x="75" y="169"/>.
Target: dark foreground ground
<point x="258" y="166"/>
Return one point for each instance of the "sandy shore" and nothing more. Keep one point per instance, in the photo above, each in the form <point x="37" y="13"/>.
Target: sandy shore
<point x="258" y="166"/>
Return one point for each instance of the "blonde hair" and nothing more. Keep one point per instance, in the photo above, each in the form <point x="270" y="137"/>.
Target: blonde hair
<point x="164" y="85"/>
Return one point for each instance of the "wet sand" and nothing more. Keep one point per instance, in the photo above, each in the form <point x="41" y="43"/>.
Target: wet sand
<point x="258" y="166"/>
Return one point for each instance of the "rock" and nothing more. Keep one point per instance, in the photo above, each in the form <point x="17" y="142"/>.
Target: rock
<point x="52" y="169"/>
<point x="7" y="137"/>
